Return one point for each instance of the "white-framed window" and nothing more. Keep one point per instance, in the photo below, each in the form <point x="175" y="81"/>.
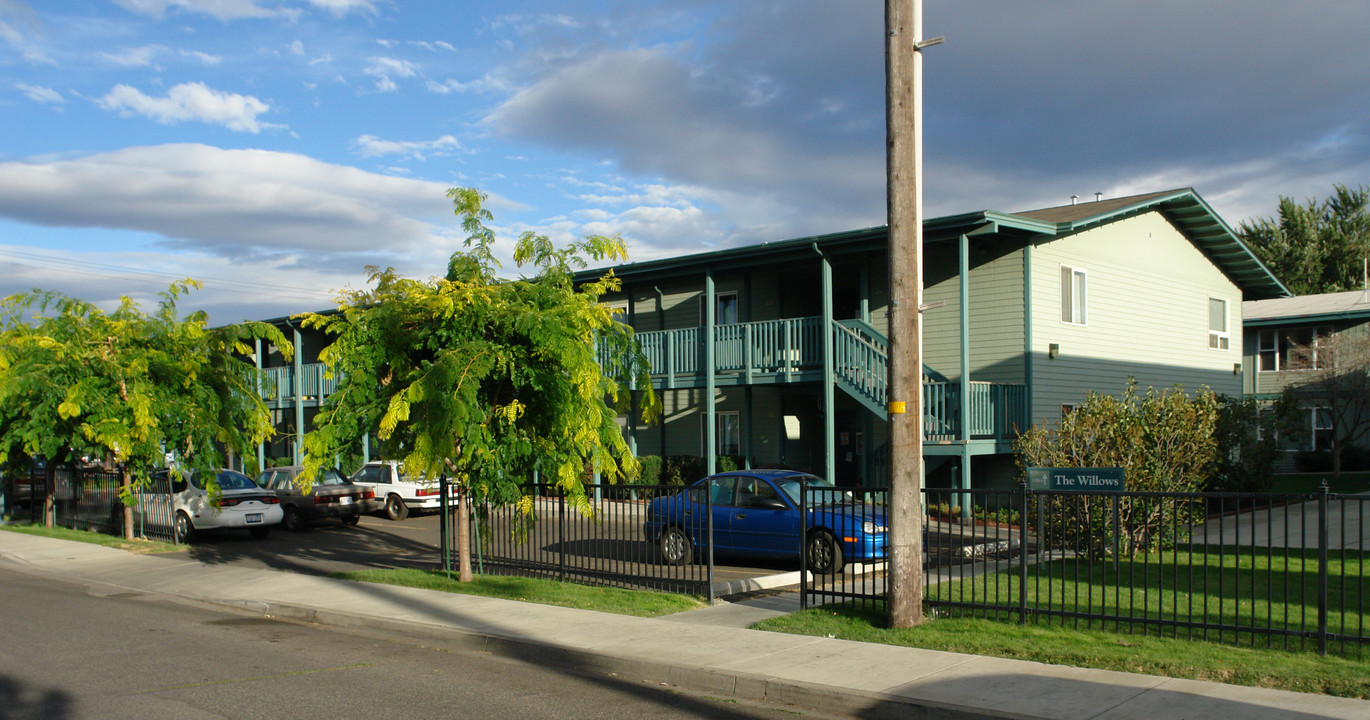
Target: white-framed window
<point x="1218" y="334"/>
<point x="728" y="433"/>
<point x="1275" y="349"/>
<point x="1320" y="423"/>
<point x="1072" y="295"/>
<point x="725" y="308"/>
<point x="1068" y="408"/>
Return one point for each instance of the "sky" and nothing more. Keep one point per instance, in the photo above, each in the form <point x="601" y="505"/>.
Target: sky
<point x="274" y="149"/>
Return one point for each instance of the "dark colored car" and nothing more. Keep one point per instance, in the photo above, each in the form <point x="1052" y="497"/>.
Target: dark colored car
<point x="756" y="513"/>
<point x="332" y="496"/>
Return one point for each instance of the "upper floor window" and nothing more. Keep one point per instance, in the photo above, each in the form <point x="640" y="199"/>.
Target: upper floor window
<point x="1293" y="349"/>
<point x="725" y="308"/>
<point x="1072" y="295"/>
<point x="1218" y="335"/>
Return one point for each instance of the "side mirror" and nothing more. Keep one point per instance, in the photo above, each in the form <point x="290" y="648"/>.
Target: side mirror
<point x="770" y="504"/>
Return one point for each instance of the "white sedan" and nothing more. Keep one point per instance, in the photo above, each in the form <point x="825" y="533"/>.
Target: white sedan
<point x="242" y="504"/>
<point x="397" y="493"/>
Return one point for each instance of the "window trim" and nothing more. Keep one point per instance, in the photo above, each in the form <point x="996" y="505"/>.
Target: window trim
<point x="1074" y="292"/>
<point x="1220" y="339"/>
<point x="719" y="417"/>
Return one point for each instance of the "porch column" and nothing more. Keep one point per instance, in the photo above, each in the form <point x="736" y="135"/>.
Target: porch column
<point x="299" y="397"/>
<point x="964" y="272"/>
<point x="829" y="377"/>
<point x="865" y="291"/>
<point x="710" y="417"/>
<point x="747" y="427"/>
<point x="261" y="445"/>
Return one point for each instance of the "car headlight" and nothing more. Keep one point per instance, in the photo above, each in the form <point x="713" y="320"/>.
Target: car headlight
<point x="871" y="528"/>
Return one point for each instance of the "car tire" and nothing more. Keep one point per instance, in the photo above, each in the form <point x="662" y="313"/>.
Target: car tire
<point x="395" y="509"/>
<point x="291" y="520"/>
<point x="258" y="533"/>
<point x="351" y="521"/>
<point x="824" y="553"/>
<point x="183" y="528"/>
<point x="675" y="547"/>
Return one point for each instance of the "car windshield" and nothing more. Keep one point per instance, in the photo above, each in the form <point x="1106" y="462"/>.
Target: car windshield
<point x="790" y="486"/>
<point x="228" y="480"/>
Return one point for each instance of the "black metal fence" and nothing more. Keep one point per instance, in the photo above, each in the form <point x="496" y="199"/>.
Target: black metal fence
<point x="88" y="498"/>
<point x="598" y="540"/>
<point x="1268" y="570"/>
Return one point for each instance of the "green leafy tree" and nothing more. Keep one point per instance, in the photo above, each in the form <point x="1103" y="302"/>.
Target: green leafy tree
<point x="1164" y="442"/>
<point x="1315" y="247"/>
<point x="126" y="384"/>
<point x="482" y="380"/>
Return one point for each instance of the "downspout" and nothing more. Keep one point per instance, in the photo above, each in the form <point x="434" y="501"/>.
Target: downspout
<point x="829" y="376"/>
<point x="711" y="417"/>
<point x="1028" y="380"/>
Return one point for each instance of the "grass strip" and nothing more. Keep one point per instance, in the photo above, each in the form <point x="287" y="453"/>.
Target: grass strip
<point x="1052" y="644"/>
<point x="639" y="603"/>
<point x="136" y="545"/>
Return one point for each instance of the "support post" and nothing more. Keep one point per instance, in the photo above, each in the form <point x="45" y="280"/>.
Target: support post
<point x="710" y="416"/>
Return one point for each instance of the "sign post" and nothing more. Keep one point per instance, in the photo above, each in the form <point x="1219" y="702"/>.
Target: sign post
<point x="1081" y="480"/>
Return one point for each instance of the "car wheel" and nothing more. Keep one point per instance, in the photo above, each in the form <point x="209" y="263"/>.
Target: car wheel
<point x="675" y="547"/>
<point x="291" y="520"/>
<point x="395" y="509"/>
<point x="184" y="529"/>
<point x="351" y="521"/>
<point x="825" y="554"/>
<point x="258" y="533"/>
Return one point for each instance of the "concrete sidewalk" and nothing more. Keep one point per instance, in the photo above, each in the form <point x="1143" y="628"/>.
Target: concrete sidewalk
<point x="700" y="650"/>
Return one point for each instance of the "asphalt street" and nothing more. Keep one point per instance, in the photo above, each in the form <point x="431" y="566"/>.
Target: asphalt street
<point x="73" y="651"/>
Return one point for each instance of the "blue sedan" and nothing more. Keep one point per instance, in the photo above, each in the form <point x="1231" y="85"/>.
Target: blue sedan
<point x="756" y="513"/>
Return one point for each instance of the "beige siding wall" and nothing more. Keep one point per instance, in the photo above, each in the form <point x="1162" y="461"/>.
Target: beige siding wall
<point x="1147" y="315"/>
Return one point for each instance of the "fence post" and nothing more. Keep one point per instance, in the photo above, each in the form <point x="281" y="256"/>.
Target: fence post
<point x="1322" y="568"/>
<point x="561" y="533"/>
<point x="804" y="546"/>
<point x="1022" y="554"/>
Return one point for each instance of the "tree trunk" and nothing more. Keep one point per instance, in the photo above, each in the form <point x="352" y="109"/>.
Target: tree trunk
<point x="49" y="503"/>
<point x="1336" y="459"/>
<point x="125" y="508"/>
<point x="463" y="535"/>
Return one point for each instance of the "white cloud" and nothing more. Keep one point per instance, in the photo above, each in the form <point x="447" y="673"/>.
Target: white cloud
<point x="343" y="7"/>
<point x="297" y="48"/>
<point x="205" y="58"/>
<point x="221" y="9"/>
<point x="189" y="101"/>
<point x="372" y="146"/>
<point x="234" y="203"/>
<point x="41" y="94"/>
<point x="384" y="68"/>
<point x="135" y="57"/>
<point x="485" y="83"/>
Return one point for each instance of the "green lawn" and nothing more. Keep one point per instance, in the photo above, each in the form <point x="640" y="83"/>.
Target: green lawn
<point x="640" y="603"/>
<point x="1236" y="590"/>
<point x="90" y="536"/>
<point x="1348" y="484"/>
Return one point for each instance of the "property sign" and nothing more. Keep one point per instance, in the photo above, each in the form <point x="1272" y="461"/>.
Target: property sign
<point x="1077" y="479"/>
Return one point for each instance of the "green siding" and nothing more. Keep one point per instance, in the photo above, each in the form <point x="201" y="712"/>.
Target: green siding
<point x="1147" y="310"/>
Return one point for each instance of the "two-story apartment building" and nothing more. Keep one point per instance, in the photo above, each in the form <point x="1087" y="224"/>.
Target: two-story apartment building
<point x="776" y="354"/>
<point x="1274" y="330"/>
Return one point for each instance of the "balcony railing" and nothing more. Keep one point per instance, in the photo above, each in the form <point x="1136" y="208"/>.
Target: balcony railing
<point x="312" y="385"/>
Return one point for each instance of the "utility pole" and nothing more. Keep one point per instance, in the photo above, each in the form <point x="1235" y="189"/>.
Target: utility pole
<point x="904" y="197"/>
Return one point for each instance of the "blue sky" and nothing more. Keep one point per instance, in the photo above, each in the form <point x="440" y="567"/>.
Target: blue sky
<point x="274" y="148"/>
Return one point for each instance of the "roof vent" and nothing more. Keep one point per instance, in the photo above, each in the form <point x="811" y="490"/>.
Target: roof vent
<point x="1074" y="199"/>
<point x="1098" y="196"/>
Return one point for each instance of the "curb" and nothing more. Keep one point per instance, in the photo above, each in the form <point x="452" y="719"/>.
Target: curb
<point x="753" y="687"/>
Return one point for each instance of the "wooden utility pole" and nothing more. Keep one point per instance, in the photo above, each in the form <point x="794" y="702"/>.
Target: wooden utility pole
<point x="904" y="197"/>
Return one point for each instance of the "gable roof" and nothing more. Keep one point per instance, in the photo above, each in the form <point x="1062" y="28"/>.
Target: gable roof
<point x="1183" y="208"/>
<point x="1193" y="217"/>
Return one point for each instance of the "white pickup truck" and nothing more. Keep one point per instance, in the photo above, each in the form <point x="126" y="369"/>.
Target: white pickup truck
<point x="397" y="493"/>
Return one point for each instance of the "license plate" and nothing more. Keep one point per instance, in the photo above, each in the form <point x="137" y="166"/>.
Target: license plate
<point x="345" y="500"/>
<point x="254" y="517"/>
